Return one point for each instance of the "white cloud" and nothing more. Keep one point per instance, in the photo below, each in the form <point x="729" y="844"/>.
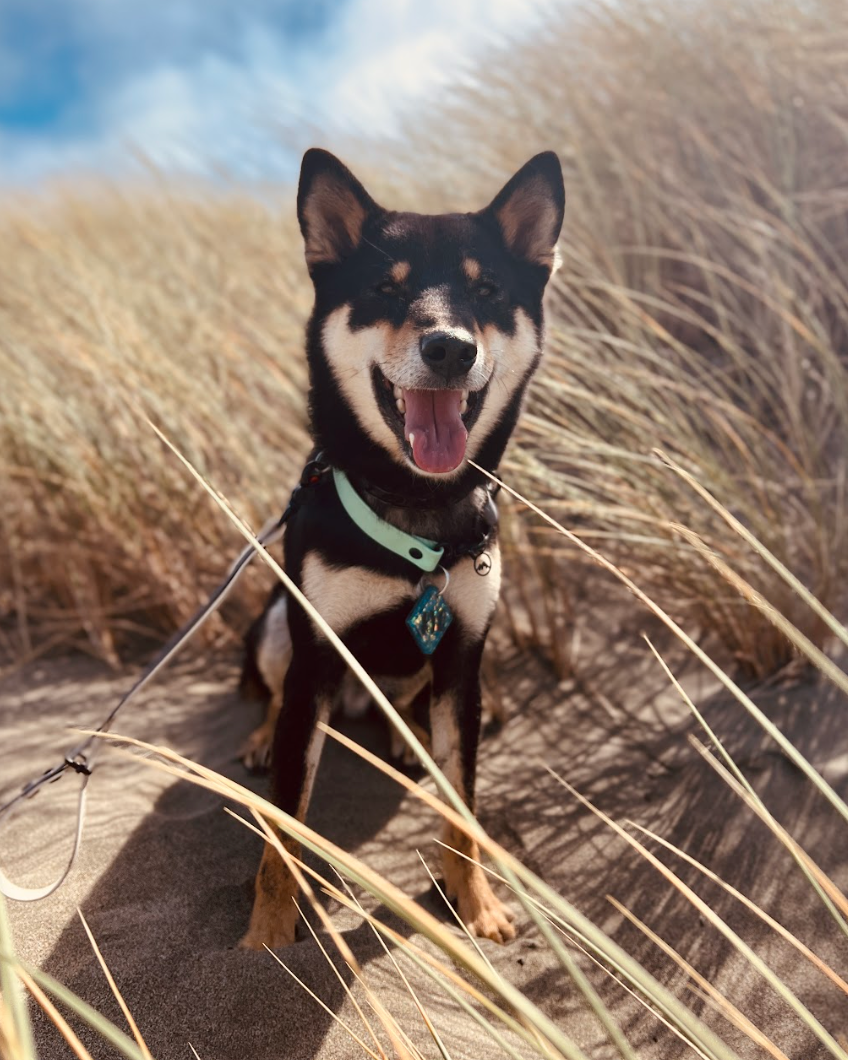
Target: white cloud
<point x="222" y="88"/>
<point x="391" y="55"/>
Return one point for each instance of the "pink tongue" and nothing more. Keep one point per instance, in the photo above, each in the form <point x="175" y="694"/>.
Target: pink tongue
<point x="438" y="434"/>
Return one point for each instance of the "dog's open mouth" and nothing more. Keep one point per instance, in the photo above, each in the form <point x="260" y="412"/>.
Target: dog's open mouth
<point x="433" y="423"/>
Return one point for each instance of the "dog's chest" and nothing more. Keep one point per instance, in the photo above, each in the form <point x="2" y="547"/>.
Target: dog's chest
<point x="347" y="597"/>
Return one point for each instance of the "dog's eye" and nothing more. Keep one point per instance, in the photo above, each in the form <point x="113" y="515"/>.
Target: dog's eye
<point x="390" y="288"/>
<point x="486" y="290"/>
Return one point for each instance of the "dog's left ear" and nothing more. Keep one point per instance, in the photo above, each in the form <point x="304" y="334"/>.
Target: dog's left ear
<point x="332" y="207"/>
<point x="529" y="210"/>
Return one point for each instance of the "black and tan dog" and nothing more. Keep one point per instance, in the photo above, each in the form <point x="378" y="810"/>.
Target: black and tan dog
<point x="424" y="335"/>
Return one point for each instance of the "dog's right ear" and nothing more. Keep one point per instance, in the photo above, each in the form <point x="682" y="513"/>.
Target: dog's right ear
<point x="331" y="207"/>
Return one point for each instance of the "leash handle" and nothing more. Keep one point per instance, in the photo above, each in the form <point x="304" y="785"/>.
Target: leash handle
<point x="12" y="890"/>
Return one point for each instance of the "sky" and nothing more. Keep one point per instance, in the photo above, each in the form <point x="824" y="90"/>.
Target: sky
<point x="214" y="86"/>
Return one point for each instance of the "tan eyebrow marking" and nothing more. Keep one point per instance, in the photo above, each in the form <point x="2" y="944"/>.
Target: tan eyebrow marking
<point x="471" y="267"/>
<point x="400" y="271"/>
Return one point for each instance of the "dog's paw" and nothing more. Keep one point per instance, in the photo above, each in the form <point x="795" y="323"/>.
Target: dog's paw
<point x="255" y="752"/>
<point x="400" y="753"/>
<point x="274" y="932"/>
<point x="485" y="915"/>
<point x="399" y="750"/>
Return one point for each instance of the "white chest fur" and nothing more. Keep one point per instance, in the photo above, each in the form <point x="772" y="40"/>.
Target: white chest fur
<point x="345" y="596"/>
<point x="471" y="596"/>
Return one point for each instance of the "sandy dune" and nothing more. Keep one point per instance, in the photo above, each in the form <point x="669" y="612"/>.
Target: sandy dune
<point x="165" y="876"/>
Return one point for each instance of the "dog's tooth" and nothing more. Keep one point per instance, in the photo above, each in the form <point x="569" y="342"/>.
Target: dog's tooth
<point x="463" y="407"/>
<point x="465" y="394"/>
<point x="411" y="438"/>
<point x="398" y="393"/>
<point x="401" y="405"/>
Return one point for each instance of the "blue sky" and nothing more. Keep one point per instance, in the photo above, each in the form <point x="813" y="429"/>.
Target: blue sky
<point x="199" y="85"/>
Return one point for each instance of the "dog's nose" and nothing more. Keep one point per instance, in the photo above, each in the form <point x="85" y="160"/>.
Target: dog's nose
<point x="449" y="355"/>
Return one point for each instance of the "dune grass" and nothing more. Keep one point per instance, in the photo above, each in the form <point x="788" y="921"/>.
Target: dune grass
<point x="703" y="301"/>
<point x="701" y="308"/>
<point x="539" y="902"/>
<point x="114" y="306"/>
<point x="513" y="1024"/>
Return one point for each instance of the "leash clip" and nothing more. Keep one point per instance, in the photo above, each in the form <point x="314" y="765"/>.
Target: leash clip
<point x="79" y="764"/>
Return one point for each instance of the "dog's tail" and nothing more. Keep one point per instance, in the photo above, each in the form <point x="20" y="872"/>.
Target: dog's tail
<point x="251" y="687"/>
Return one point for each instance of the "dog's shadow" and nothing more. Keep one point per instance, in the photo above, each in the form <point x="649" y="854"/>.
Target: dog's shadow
<point x="170" y="910"/>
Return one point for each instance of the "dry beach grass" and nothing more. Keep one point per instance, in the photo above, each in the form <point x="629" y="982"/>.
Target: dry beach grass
<point x="702" y="307"/>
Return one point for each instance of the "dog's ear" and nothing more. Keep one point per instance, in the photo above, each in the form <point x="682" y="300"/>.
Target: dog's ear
<point x="331" y="207"/>
<point x="529" y="210"/>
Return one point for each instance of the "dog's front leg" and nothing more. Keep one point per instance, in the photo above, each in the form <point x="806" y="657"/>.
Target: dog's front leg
<point x="455" y="715"/>
<point x="307" y="698"/>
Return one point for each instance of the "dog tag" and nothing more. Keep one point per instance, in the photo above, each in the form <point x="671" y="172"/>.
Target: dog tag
<point x="429" y="619"/>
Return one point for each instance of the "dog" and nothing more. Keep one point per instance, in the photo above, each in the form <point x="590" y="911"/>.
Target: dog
<point x="424" y="335"/>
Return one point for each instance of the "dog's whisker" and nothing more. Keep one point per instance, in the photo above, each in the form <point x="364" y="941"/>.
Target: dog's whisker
<point x="384" y="252"/>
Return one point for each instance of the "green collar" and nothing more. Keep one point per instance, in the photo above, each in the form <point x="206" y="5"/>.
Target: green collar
<point x="418" y="550"/>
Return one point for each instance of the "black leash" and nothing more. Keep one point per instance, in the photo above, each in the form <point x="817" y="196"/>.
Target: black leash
<point x="80" y="759"/>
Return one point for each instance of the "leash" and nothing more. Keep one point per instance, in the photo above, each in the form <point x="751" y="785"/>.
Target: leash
<point x="80" y="759"/>
<point x="427" y="622"/>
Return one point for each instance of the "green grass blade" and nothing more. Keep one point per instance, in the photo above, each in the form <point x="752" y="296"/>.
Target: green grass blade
<point x="107" y="1030"/>
<point x="13" y="1002"/>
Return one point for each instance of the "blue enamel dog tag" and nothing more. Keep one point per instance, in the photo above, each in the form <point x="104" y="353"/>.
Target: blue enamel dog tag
<point x="429" y="619"/>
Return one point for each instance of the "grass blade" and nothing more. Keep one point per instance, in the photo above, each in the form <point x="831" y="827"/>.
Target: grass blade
<point x="775" y="925"/>
<point x="785" y="745"/>
<point x="113" y="986"/>
<point x="774" y="981"/>
<point x="55" y="1016"/>
<point x="728" y="1010"/>
<point x="830" y="620"/>
<point x="17" y="1028"/>
<point x="121" y="1042"/>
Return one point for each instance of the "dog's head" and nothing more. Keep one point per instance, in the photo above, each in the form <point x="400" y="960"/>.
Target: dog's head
<point x="430" y="326"/>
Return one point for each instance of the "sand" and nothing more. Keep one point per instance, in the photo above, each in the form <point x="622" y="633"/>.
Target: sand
<point x="165" y="876"/>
